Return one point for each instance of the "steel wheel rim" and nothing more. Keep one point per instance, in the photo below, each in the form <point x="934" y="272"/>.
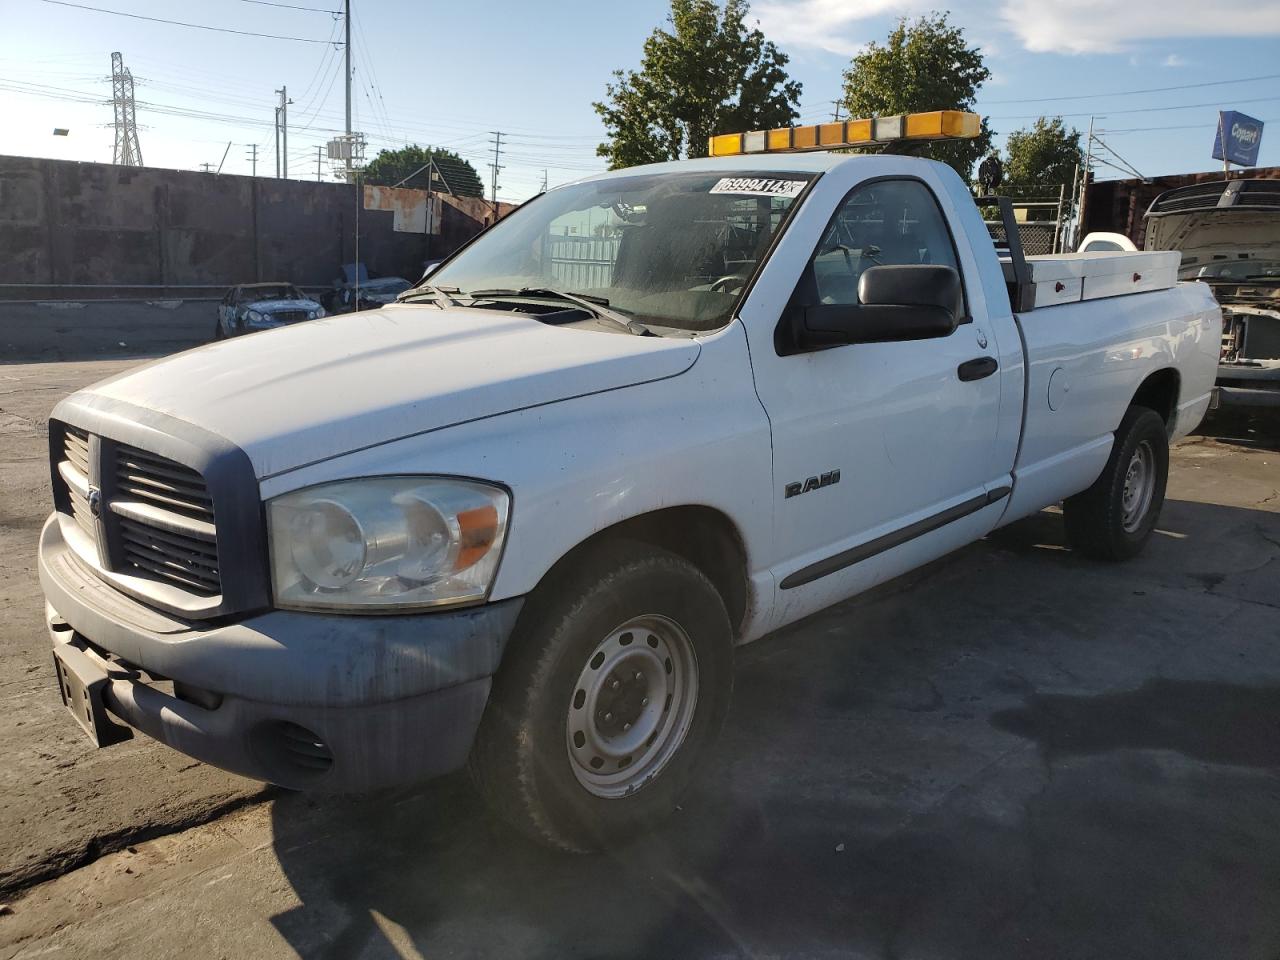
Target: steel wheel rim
<point x="632" y="705"/>
<point x="1139" y="487"/>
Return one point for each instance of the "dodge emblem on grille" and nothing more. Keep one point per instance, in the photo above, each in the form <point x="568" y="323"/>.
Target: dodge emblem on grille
<point x="95" y="502"/>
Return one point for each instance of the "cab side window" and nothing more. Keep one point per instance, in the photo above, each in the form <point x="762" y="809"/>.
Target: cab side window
<point x="881" y="223"/>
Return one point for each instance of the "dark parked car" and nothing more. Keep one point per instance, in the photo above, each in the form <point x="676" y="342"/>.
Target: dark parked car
<point x="262" y="306"/>
<point x="356" y="286"/>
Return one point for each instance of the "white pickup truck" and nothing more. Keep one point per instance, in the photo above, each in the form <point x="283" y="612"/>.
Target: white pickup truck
<point x="523" y="517"/>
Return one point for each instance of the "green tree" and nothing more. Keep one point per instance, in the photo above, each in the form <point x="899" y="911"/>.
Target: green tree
<point x="390" y="167"/>
<point x="1041" y="158"/>
<point x="708" y="74"/>
<point x="924" y="65"/>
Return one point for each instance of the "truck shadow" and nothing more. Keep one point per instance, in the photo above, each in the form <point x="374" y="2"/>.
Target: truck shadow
<point x="1021" y="754"/>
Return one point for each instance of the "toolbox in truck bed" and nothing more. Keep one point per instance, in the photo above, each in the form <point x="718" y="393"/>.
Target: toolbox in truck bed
<point x="1073" y="277"/>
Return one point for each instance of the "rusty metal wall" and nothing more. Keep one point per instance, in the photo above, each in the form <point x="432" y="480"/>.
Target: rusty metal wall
<point x="65" y="223"/>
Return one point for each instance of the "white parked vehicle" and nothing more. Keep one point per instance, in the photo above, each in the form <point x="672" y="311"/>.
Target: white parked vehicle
<point x="1100" y="241"/>
<point x="525" y="515"/>
<point x="263" y="306"/>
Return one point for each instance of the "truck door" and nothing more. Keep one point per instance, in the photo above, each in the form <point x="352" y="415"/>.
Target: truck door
<point x="884" y="453"/>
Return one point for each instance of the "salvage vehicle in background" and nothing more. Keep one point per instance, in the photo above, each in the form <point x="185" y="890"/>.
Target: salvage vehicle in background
<point x="1229" y="235"/>
<point x="524" y="516"/>
<point x="1100" y="241"/>
<point x="263" y="306"/>
<point x="358" y="291"/>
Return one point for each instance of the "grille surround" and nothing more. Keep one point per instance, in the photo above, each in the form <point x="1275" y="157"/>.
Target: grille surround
<point x="155" y="519"/>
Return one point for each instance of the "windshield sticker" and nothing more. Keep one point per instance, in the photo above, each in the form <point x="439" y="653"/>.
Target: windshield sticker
<point x="759" y="187"/>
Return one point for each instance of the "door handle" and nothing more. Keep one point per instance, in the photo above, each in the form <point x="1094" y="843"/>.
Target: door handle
<point x="977" y="368"/>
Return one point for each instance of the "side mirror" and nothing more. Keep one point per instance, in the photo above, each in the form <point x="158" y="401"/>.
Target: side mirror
<point x="896" y="302"/>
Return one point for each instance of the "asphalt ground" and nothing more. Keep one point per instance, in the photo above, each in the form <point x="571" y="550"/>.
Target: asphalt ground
<point x="1014" y="753"/>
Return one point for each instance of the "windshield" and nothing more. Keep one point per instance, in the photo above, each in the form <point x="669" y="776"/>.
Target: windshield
<point x="1232" y="270"/>
<point x="282" y="292"/>
<point x="671" y="249"/>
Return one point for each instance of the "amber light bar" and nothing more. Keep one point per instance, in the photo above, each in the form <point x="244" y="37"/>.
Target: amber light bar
<point x="936" y="125"/>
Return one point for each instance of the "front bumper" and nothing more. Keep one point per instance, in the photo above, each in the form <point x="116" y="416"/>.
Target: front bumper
<point x="308" y="701"/>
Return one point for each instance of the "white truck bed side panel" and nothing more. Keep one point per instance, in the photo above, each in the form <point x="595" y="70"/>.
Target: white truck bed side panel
<point x="1087" y="361"/>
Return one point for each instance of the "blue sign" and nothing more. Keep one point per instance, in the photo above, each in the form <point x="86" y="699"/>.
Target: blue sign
<point x="1243" y="136"/>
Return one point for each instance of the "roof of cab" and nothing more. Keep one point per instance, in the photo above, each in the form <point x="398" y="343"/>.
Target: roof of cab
<point x="817" y="161"/>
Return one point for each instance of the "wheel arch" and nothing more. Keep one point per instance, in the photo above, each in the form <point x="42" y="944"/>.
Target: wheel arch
<point x="1159" y="392"/>
<point x="704" y="536"/>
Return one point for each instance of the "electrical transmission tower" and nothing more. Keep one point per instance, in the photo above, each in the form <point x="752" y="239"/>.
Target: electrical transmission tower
<point x="127" y="152"/>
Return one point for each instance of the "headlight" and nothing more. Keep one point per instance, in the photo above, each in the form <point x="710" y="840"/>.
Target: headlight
<point x="315" y="314"/>
<point x="256" y="318"/>
<point x="386" y="543"/>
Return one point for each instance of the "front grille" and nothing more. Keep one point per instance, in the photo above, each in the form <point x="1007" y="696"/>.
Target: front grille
<point x="1259" y="193"/>
<point x="179" y="558"/>
<point x="75" y="453"/>
<point x="156" y="480"/>
<point x="178" y="544"/>
<point x="75" y="447"/>
<point x="289" y="316"/>
<point x="157" y="514"/>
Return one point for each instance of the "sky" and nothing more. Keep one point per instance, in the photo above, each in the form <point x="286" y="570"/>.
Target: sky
<point x="1152" y="74"/>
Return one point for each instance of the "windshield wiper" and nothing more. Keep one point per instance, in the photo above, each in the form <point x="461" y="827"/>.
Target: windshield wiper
<point x="439" y="295"/>
<point x="594" y="305"/>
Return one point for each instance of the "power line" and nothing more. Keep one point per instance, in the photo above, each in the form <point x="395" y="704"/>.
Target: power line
<point x="1184" y="126"/>
<point x="291" y="6"/>
<point x="1113" y="113"/>
<point x="181" y="23"/>
<point x="1128" y="93"/>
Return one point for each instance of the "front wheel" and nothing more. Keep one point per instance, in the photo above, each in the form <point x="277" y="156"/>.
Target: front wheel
<point x="614" y="688"/>
<point x="1113" y="519"/>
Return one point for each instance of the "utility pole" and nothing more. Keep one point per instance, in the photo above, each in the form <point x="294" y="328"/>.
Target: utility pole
<point x="127" y="152"/>
<point x="835" y="114"/>
<point x="319" y="155"/>
<point x="544" y="180"/>
<point x="495" y="167"/>
<point x="253" y="159"/>
<point x="206" y="168"/>
<point x="282" y="133"/>
<point x="347" y="51"/>
<point x="1084" y="180"/>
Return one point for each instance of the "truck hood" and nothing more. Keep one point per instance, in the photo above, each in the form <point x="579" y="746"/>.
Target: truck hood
<point x="300" y="394"/>
<point x="1227" y="231"/>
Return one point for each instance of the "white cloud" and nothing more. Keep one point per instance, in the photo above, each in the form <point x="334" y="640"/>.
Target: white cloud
<point x="1112" y="26"/>
<point x="826" y="24"/>
<point x="844" y="27"/>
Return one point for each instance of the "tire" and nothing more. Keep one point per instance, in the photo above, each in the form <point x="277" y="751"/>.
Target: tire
<point x="1113" y="519"/>
<point x="626" y="612"/>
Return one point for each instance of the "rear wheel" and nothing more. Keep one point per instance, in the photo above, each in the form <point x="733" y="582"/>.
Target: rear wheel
<point x="1113" y="519"/>
<point x="614" y="688"/>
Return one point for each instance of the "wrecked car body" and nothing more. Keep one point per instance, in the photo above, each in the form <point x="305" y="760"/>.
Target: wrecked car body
<point x="263" y="306"/>
<point x="1229" y="236"/>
